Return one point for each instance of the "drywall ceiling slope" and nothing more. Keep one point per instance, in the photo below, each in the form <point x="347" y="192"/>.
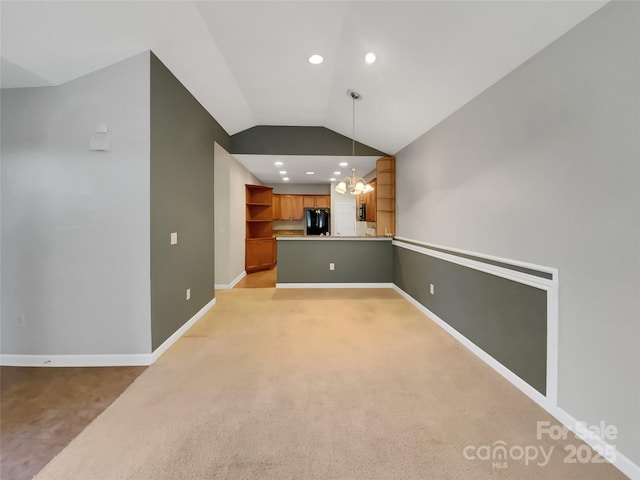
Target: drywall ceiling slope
<point x="52" y="42"/>
<point x="433" y="57"/>
<point x="246" y="62"/>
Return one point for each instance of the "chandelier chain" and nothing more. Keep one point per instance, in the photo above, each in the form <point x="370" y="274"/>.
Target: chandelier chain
<point x="353" y="127"/>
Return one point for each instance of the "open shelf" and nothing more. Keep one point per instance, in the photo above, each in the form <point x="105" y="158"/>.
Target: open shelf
<point x="259" y="243"/>
<point x="386" y="196"/>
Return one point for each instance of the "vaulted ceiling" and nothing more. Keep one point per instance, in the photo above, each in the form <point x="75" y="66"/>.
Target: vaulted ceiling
<point x="247" y="62"/>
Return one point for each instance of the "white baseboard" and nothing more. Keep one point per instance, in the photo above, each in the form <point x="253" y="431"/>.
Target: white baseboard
<point x="548" y="285"/>
<point x="181" y="331"/>
<point x="106" y="360"/>
<point x="229" y="286"/>
<point x="334" y="285"/>
<point x="523" y="386"/>
<point x="621" y="462"/>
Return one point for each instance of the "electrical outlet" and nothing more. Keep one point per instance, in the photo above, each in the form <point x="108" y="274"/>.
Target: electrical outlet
<point x="332" y="266"/>
<point x="432" y="289"/>
<point x="188" y="294"/>
<point x="21" y="321"/>
<point x="174" y="238"/>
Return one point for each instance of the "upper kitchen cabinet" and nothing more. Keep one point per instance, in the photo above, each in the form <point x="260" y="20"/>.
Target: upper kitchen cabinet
<point x="386" y="196"/>
<point x="276" y="206"/>
<point x="317" y="201"/>
<point x="291" y="207"/>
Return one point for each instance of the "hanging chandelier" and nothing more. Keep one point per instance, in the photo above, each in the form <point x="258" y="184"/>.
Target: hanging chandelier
<point x="354" y="185"/>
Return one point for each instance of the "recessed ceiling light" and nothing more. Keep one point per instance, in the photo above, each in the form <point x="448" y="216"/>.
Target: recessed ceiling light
<point x="370" y="57"/>
<point x="283" y="172"/>
<point x="278" y="164"/>
<point x="343" y="164"/>
<point x="332" y="179"/>
<point x="309" y="173"/>
<point x="337" y="173"/>
<point x="286" y="179"/>
<point x="315" y="59"/>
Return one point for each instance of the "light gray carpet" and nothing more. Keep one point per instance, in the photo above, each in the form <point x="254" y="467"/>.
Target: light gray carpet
<point x="322" y="384"/>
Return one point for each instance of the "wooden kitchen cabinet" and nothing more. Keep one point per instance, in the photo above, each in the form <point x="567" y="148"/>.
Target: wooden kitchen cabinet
<point x="259" y="254"/>
<point x="276" y="206"/>
<point x="317" y="201"/>
<point x="259" y="228"/>
<point x="323" y="201"/>
<point x="309" y="201"/>
<point x="291" y="207"/>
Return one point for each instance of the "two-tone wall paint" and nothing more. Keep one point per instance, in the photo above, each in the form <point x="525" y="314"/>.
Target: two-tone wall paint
<point x="506" y="319"/>
<point x="88" y="273"/>
<point x="75" y="222"/>
<point x="543" y="168"/>
<point x="182" y="200"/>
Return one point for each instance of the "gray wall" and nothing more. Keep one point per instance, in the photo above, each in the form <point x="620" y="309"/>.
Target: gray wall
<point x="182" y="200"/>
<point x="356" y="261"/>
<point x="75" y="223"/>
<point x="506" y="319"/>
<point x="543" y="167"/>
<point x="285" y="140"/>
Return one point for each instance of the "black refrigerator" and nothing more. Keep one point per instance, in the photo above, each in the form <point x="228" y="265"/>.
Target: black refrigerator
<point x="316" y="221"/>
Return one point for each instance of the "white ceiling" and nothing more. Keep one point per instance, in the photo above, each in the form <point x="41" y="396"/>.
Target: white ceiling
<point x="246" y="62"/>
<point x="296" y="166"/>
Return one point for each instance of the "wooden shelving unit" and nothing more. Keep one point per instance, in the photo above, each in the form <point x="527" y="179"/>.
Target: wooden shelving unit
<point x="369" y="199"/>
<point x="259" y="241"/>
<point x="386" y="196"/>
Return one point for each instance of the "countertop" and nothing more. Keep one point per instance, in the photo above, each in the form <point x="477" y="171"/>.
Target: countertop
<point x="331" y="237"/>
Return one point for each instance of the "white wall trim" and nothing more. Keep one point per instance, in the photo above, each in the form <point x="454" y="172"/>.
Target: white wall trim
<point x="621" y="462"/>
<point x="334" y="285"/>
<point x="229" y="286"/>
<point x="516" y="276"/>
<point x="342" y="238"/>
<point x="532" y="266"/>
<point x="181" y="331"/>
<point x="104" y="360"/>
<point x="523" y="386"/>
<point x="548" y="403"/>
<point x="550" y="286"/>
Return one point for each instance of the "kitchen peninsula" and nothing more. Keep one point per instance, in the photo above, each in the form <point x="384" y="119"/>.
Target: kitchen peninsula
<point x="314" y="261"/>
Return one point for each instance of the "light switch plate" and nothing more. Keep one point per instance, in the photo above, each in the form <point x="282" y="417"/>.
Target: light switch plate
<point x="188" y="294"/>
<point x="332" y="266"/>
<point x="174" y="238"/>
<point x="432" y="289"/>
